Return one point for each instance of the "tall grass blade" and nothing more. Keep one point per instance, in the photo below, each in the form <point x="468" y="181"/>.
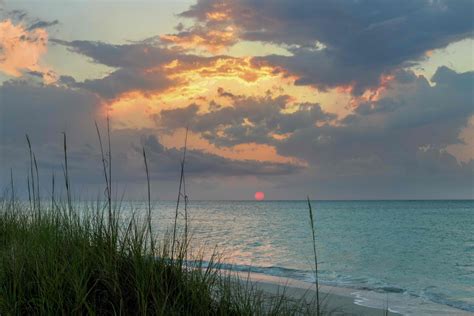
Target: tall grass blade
<point x="110" y="163"/>
<point x="150" y="234"/>
<point x="66" y="176"/>
<point x="38" y="199"/>
<point x="316" y="279"/>
<point x="12" y="188"/>
<point x="181" y="178"/>
<point x="106" y="175"/>
<point x="52" y="190"/>
<point x="29" y="190"/>
<point x="31" y="171"/>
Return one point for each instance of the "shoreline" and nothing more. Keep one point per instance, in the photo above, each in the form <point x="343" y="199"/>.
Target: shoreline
<point x="343" y="301"/>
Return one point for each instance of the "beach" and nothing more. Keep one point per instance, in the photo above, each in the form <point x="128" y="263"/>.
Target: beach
<point x="344" y="301"/>
<point x="409" y="253"/>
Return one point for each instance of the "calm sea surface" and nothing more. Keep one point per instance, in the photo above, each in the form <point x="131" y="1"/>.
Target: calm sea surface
<point x="401" y="249"/>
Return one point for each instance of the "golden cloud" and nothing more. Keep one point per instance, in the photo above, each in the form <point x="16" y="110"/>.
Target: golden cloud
<point x="21" y="50"/>
<point x="372" y="94"/>
<point x="250" y="151"/>
<point x="216" y="33"/>
<point x="212" y="40"/>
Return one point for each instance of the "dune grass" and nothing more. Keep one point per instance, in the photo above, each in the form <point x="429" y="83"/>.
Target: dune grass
<point x="81" y="264"/>
<point x="316" y="277"/>
<point x="72" y="258"/>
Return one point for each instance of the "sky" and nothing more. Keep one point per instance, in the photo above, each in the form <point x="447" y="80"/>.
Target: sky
<point x="335" y="99"/>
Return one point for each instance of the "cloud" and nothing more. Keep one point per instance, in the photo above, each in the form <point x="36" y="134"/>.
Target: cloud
<point x="46" y="111"/>
<point x="21" y="49"/>
<point x="324" y="70"/>
<point x="42" y="24"/>
<point x="340" y="43"/>
<point x="152" y="67"/>
<point x="128" y="79"/>
<point x="393" y="142"/>
<point x="404" y="134"/>
<point x="210" y="39"/>
<point x="164" y="161"/>
<point x="136" y="55"/>
<point x="397" y="141"/>
<point x="214" y="33"/>
<point x="139" y="67"/>
<point x="249" y="120"/>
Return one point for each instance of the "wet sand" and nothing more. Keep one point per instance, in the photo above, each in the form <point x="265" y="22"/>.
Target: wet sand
<point x="339" y="300"/>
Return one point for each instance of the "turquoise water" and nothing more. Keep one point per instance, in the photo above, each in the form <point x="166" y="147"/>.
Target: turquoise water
<point x="420" y="249"/>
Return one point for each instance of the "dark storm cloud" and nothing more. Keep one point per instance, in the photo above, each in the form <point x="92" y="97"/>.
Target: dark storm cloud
<point x="135" y="63"/>
<point x="135" y="55"/>
<point x="324" y="70"/>
<point x="17" y="15"/>
<point x="146" y="54"/>
<point x="139" y="65"/>
<point x="24" y="17"/>
<point x="404" y="133"/>
<point x="42" y="24"/>
<point x="357" y="40"/>
<point x="44" y="111"/>
<point x="127" y="79"/>
<point x="248" y="120"/>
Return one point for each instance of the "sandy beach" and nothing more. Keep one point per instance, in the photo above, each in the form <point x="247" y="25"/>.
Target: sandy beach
<point x="347" y="301"/>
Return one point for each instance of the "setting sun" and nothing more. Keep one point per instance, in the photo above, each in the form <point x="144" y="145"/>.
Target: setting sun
<point x="259" y="196"/>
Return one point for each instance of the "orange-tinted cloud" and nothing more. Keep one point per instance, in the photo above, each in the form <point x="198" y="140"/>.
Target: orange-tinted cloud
<point x="202" y="81"/>
<point x="194" y="81"/>
<point x="249" y="151"/>
<point x="215" y="33"/>
<point x="372" y="94"/>
<point x="200" y="78"/>
<point x="213" y="40"/>
<point x="21" y="50"/>
<point x="221" y="67"/>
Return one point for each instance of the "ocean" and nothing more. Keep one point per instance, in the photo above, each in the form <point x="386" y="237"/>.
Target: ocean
<point x="404" y="254"/>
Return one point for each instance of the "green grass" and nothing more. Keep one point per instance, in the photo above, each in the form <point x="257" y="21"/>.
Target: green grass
<point x="58" y="263"/>
<point x="58" y="257"/>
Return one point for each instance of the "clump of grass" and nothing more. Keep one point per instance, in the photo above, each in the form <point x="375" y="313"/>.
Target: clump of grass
<point x="60" y="264"/>
<point x="88" y="260"/>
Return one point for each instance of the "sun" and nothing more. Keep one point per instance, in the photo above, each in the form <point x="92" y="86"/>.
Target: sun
<point x="259" y="196"/>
